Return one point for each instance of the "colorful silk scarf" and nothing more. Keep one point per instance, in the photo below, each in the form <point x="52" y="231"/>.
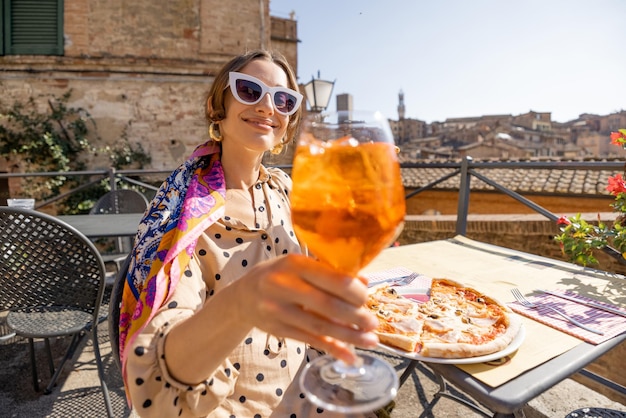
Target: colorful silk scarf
<point x="188" y="202"/>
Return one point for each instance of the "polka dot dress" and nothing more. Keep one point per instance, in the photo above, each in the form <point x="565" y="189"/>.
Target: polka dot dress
<point x="259" y="378"/>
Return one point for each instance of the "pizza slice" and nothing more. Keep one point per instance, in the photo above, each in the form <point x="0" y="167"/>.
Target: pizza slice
<point x="399" y="323"/>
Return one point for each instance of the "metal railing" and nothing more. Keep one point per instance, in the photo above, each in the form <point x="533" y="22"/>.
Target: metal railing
<point x="465" y="169"/>
<point x="92" y="178"/>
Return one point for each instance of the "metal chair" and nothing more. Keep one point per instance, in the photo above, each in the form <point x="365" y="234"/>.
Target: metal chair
<point x="592" y="412"/>
<point x="114" y="310"/>
<point x="6" y="334"/>
<point x="52" y="281"/>
<point x="120" y="201"/>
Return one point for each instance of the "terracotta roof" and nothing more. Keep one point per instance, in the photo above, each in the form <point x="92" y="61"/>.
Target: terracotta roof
<point x="522" y="180"/>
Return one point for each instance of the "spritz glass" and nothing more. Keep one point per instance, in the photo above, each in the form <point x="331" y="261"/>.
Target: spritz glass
<point x="347" y="205"/>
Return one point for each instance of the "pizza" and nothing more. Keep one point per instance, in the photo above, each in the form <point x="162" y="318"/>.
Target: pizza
<point x="456" y="321"/>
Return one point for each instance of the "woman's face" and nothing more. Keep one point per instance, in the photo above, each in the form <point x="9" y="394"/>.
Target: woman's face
<point x="258" y="127"/>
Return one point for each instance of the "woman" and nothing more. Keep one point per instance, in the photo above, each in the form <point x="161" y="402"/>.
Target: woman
<point x="220" y="305"/>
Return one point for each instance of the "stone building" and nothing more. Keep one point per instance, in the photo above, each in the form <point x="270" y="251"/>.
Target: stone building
<point x="590" y="133"/>
<point x="494" y="146"/>
<point x="141" y="68"/>
<point x="537" y="121"/>
<point x="531" y="134"/>
<point x="405" y="129"/>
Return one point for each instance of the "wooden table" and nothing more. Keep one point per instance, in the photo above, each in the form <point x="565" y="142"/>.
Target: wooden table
<point x="105" y="225"/>
<point x="546" y="357"/>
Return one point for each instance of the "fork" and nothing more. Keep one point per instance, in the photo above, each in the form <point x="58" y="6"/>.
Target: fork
<point x="397" y="281"/>
<point x="525" y="302"/>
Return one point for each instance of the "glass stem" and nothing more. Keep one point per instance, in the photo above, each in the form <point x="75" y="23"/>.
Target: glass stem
<point x="354" y="369"/>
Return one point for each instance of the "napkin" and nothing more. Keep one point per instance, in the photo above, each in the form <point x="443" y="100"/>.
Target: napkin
<point x="599" y="319"/>
<point x="391" y="273"/>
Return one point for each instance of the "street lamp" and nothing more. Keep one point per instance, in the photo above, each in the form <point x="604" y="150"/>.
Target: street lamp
<point x="318" y="93"/>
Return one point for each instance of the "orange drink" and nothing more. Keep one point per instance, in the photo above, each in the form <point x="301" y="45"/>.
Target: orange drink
<point x="347" y="200"/>
<point x="347" y="204"/>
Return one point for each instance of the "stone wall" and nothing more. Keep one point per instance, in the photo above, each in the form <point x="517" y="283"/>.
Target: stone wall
<point x="162" y="113"/>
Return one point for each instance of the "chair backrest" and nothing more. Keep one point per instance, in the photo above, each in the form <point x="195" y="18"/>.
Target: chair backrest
<point x="114" y="309"/>
<point x="46" y="262"/>
<point x="120" y="201"/>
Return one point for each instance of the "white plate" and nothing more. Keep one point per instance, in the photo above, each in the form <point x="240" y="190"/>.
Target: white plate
<point x="511" y="348"/>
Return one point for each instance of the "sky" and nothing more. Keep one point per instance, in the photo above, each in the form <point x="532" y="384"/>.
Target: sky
<point x="464" y="58"/>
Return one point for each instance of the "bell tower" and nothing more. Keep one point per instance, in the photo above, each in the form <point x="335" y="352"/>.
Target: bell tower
<point x="401" y="105"/>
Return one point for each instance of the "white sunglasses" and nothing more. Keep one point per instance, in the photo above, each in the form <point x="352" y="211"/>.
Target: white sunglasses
<point x="250" y="90"/>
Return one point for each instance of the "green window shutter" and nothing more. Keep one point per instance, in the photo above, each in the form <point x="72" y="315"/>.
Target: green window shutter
<point x="2" y="36"/>
<point x="33" y="27"/>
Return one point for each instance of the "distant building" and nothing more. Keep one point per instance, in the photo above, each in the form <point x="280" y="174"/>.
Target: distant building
<point x="401" y="108"/>
<point x="344" y="102"/>
<point x="535" y="120"/>
<point x="529" y="135"/>
<point x="405" y="129"/>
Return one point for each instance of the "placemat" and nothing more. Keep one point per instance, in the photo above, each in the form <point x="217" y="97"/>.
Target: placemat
<point x="607" y="322"/>
<point x="495" y="273"/>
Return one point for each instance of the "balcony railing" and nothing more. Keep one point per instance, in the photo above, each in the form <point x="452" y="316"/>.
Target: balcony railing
<point x="92" y="178"/>
<point x="466" y="169"/>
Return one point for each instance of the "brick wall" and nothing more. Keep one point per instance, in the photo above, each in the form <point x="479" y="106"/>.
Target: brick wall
<point x="284" y="38"/>
<point x="176" y="29"/>
<point x="445" y="202"/>
<point x="524" y="232"/>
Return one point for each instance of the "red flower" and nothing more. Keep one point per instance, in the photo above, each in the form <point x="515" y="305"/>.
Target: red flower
<point x="563" y="220"/>
<point x="616" y="185"/>
<point x="618" y="138"/>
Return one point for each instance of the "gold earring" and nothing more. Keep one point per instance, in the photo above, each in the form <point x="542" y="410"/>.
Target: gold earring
<point x="278" y="148"/>
<point x="214" y="132"/>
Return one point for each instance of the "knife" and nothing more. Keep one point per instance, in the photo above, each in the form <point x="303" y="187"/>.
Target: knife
<point x="584" y="302"/>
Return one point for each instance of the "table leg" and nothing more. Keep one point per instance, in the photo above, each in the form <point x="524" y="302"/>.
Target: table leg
<point x="445" y="393"/>
<point x="407" y="372"/>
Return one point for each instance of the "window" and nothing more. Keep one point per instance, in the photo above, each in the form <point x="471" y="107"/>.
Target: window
<point x="31" y="27"/>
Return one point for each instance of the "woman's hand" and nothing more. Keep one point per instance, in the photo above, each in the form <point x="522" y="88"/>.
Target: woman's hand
<point x="300" y="298"/>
